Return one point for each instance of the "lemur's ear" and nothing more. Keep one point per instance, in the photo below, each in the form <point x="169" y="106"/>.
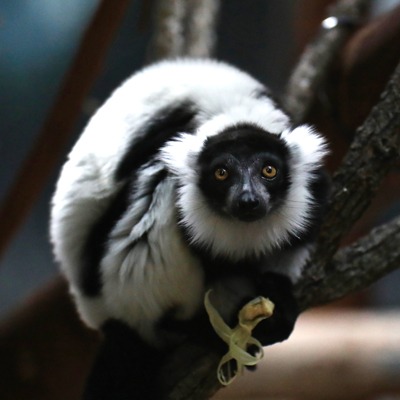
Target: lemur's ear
<point x="308" y="148"/>
<point x="181" y="154"/>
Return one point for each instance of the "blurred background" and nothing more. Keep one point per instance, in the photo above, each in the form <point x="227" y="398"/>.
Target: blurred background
<point x="38" y="40"/>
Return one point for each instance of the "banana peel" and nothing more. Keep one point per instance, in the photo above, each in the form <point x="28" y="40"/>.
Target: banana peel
<point x="240" y="338"/>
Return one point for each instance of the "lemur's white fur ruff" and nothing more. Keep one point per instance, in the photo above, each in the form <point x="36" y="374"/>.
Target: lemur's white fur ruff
<point x="235" y="238"/>
<point x="140" y="283"/>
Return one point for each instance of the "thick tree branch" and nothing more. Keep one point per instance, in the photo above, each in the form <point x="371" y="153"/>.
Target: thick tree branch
<point x="196" y="377"/>
<point x="354" y="267"/>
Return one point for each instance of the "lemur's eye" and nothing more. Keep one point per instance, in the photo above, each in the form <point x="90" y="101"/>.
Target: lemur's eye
<point x="221" y="174"/>
<point x="269" y="172"/>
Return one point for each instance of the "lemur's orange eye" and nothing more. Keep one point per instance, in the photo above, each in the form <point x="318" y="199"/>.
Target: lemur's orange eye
<point x="221" y="174"/>
<point x="269" y="172"/>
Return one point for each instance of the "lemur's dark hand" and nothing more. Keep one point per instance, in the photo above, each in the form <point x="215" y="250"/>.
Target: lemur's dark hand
<point x="279" y="289"/>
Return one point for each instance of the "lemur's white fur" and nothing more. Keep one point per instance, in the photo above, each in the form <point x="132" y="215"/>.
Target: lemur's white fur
<point x="140" y="283"/>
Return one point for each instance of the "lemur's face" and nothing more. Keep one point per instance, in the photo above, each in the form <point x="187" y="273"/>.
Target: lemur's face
<point x="244" y="173"/>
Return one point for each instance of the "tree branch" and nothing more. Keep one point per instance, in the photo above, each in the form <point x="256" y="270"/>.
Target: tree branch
<point x="375" y="148"/>
<point x="168" y="35"/>
<point x="201" y="24"/>
<point x="313" y="67"/>
<point x="183" y="28"/>
<point x="354" y="267"/>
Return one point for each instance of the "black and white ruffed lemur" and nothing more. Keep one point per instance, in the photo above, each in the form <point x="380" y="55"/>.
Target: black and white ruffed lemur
<point x="188" y="178"/>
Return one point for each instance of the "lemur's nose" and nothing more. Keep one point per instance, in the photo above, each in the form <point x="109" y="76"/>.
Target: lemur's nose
<point x="249" y="207"/>
<point x="248" y="202"/>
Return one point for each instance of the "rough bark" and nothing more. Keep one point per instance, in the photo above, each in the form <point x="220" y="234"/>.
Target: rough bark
<point x="375" y="148"/>
<point x="354" y="267"/>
